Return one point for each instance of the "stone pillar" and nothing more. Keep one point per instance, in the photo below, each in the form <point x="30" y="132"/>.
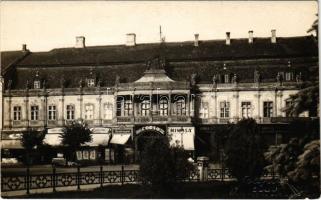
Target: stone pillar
<point x="258" y="96"/>
<point x="170" y="103"/>
<point x="26" y="101"/>
<point x="115" y="107"/>
<point x="188" y="104"/>
<point x="133" y="103"/>
<point x="280" y="104"/>
<point x="99" y="110"/>
<point x="61" y="115"/>
<point x="44" y="108"/>
<point x="237" y="111"/>
<point x="80" y="106"/>
<point x="215" y="105"/>
<point x="9" y="112"/>
<point x="150" y="103"/>
<point x="275" y="106"/>
<point x="202" y="165"/>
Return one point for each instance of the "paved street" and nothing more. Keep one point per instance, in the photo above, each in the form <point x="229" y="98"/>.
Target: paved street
<point x="47" y="169"/>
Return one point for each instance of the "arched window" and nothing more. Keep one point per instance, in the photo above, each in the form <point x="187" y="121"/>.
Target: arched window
<point x="108" y="111"/>
<point x="145" y="107"/>
<point x="180" y="106"/>
<point x="163" y="107"/>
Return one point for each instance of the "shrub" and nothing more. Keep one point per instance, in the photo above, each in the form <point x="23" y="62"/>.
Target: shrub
<point x="161" y="165"/>
<point x="244" y="151"/>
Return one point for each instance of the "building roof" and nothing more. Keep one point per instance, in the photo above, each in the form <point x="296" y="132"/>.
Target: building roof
<point x="178" y="51"/>
<point x="8" y="58"/>
<point x="182" y="60"/>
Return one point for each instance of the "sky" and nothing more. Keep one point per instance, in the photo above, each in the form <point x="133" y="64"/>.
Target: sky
<point x="47" y="25"/>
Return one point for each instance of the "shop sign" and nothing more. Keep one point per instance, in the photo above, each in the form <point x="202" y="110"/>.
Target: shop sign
<point x="122" y="130"/>
<point x="150" y="128"/>
<point x="182" y="130"/>
<point x="101" y="130"/>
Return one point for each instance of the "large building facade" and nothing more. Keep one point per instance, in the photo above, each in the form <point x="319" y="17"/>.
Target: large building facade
<point x="127" y="93"/>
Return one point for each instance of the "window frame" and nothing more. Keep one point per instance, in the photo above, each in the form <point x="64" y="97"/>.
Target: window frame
<point x="246" y="109"/>
<point x="108" y="111"/>
<point x="16" y="113"/>
<point x="89" y="112"/>
<point x="52" y="113"/>
<point x="145" y="108"/>
<point x="180" y="106"/>
<point x="225" y="109"/>
<point x="36" y="84"/>
<point x="268" y="109"/>
<point x="70" y="112"/>
<point x="163" y="107"/>
<point x="34" y="113"/>
<point x="90" y="82"/>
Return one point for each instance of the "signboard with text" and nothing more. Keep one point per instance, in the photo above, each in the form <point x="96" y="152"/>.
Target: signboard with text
<point x="182" y="136"/>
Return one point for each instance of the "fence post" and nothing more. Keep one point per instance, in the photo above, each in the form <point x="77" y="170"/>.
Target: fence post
<point x="122" y="174"/>
<point x="223" y="174"/>
<point x="78" y="178"/>
<point x="101" y="176"/>
<point x="53" y="178"/>
<point x="28" y="180"/>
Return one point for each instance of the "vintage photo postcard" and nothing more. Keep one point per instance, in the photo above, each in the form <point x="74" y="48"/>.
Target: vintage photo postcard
<point x="159" y="99"/>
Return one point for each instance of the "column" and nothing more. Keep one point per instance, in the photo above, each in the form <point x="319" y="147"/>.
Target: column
<point x="115" y="107"/>
<point x="61" y="115"/>
<point x="99" y="110"/>
<point x="188" y="104"/>
<point x="215" y="104"/>
<point x="9" y="111"/>
<point x="150" y="102"/>
<point x="133" y="103"/>
<point x="26" y="116"/>
<point x="170" y="102"/>
<point x="280" y="106"/>
<point x="275" y="106"/>
<point x="258" y="95"/>
<point x="80" y="106"/>
<point x="44" y="108"/>
<point x="237" y="111"/>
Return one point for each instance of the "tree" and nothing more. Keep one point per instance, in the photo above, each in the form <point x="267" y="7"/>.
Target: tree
<point x="30" y="140"/>
<point x="306" y="174"/>
<point x="244" y="151"/>
<point x="73" y="136"/>
<point x="161" y="165"/>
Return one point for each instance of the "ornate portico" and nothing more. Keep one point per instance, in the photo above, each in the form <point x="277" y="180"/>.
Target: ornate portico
<point x="154" y="98"/>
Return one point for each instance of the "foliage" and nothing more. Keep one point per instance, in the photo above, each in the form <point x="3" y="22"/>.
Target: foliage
<point x="283" y="158"/>
<point x="306" y="173"/>
<point x="161" y="165"/>
<point x="299" y="162"/>
<point x="30" y="140"/>
<point x="307" y="99"/>
<point x="244" y="151"/>
<point x="73" y="136"/>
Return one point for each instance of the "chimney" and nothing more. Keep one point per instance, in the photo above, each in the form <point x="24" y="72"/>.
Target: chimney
<point x="273" y="36"/>
<point x="80" y="42"/>
<point x="228" y="39"/>
<point x="24" y="47"/>
<point x="250" y="37"/>
<point x="130" y="39"/>
<point x="196" y="40"/>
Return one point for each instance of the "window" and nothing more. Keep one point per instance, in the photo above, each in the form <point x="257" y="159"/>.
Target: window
<point x="89" y="111"/>
<point x="17" y="113"/>
<point x="204" y="110"/>
<point x="91" y="82"/>
<point x="128" y="108"/>
<point x="108" y="111"/>
<point x="70" y="112"/>
<point x="52" y="112"/>
<point x="34" y="112"/>
<point x="145" y="107"/>
<point x="180" y="107"/>
<point x="119" y="107"/>
<point x="36" y="84"/>
<point x="163" y="107"/>
<point x="268" y="109"/>
<point x="226" y="78"/>
<point x="225" y="109"/>
<point x="288" y="76"/>
<point x="246" y="109"/>
<point x="288" y="103"/>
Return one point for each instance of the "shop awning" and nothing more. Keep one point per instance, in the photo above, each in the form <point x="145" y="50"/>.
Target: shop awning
<point x="98" y="139"/>
<point x="11" y="144"/>
<point x="182" y="136"/>
<point x="52" y="139"/>
<point x="119" y="138"/>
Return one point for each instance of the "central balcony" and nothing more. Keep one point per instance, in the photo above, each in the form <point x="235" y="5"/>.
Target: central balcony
<point x="153" y="119"/>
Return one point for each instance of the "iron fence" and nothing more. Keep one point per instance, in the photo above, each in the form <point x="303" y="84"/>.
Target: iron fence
<point x="63" y="179"/>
